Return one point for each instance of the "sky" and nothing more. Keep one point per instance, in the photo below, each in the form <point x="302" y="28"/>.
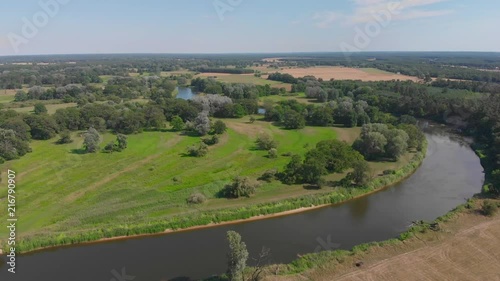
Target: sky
<point x="31" y="27"/>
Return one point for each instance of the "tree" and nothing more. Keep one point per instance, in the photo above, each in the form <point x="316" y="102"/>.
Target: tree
<point x="91" y="141"/>
<point x="371" y="145"/>
<point x="20" y="96"/>
<point x="293" y="120"/>
<point x="361" y="173"/>
<point x="40" y="109"/>
<point x="219" y="127"/>
<point x="122" y="142"/>
<point x="177" y="124"/>
<point x="43" y="127"/>
<point x="266" y="142"/>
<point x="64" y="138"/>
<point x="240" y="187"/>
<point x="11" y="147"/>
<point x="154" y="117"/>
<point x="293" y="171"/>
<point x="237" y="257"/>
<point x="202" y="124"/>
<point x="397" y="145"/>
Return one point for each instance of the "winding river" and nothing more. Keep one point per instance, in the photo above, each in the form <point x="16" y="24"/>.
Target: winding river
<point x="450" y="174"/>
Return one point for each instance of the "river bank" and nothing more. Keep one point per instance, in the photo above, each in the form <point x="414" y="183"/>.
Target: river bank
<point x="466" y="239"/>
<point x="230" y="217"/>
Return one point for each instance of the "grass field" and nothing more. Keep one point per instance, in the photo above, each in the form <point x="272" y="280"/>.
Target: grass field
<point x="246" y="79"/>
<point x="51" y="108"/>
<point x="300" y="97"/>
<point x="62" y="190"/>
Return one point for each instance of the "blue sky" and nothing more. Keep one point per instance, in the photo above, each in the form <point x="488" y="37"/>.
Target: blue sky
<point x="236" y="26"/>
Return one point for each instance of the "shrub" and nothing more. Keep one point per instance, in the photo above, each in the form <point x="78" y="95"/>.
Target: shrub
<point x="489" y="208"/>
<point x="211" y="140"/>
<point x="266" y="142"/>
<point x="389" y="172"/>
<point x="200" y="150"/>
<point x="196" y="198"/>
<point x="269" y="175"/>
<point x="65" y="137"/>
<point x="272" y="153"/>
<point x="240" y="187"/>
<point x="219" y="127"/>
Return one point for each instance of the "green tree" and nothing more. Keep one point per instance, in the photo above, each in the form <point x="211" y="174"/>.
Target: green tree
<point x="293" y="120"/>
<point x="361" y="173"/>
<point x="91" y="141"/>
<point x="219" y="127"/>
<point x="240" y="187"/>
<point x="200" y="150"/>
<point x="40" y="109"/>
<point x="237" y="257"/>
<point x="293" y="171"/>
<point x="177" y="124"/>
<point x="122" y="141"/>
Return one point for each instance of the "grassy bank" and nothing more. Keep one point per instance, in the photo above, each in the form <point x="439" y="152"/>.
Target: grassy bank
<point x="142" y="207"/>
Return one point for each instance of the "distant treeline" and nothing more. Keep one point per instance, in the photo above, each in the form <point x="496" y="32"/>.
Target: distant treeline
<point x="224" y="70"/>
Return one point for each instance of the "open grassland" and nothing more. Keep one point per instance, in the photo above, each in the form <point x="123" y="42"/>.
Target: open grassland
<point x="467" y="247"/>
<point x="246" y="79"/>
<point x="60" y="189"/>
<point x="300" y="97"/>
<point x="345" y="73"/>
<point x="51" y="107"/>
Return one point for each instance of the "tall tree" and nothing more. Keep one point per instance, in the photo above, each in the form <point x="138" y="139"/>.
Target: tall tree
<point x="237" y="257"/>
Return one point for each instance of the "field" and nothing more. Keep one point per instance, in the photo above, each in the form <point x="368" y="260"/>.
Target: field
<point x="300" y="97"/>
<point x="344" y="73"/>
<point x="151" y="179"/>
<point x="51" y="108"/>
<point x="246" y="79"/>
<point x="467" y="248"/>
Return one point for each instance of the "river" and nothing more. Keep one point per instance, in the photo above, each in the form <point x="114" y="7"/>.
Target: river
<point x="449" y="175"/>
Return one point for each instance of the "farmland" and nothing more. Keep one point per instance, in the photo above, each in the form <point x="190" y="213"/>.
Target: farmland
<point x="345" y="73"/>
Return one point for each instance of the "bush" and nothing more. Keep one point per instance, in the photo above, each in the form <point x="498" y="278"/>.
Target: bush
<point x="489" y="208"/>
<point x="272" y="153"/>
<point x="200" y="150"/>
<point x="219" y="127"/>
<point x="65" y="137"/>
<point x="266" y="142"/>
<point x="196" y="198"/>
<point x="240" y="187"/>
<point x="269" y="175"/>
<point x="211" y="141"/>
<point x="389" y="172"/>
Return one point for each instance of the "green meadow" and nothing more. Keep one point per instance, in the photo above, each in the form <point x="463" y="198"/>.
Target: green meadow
<point x="62" y="190"/>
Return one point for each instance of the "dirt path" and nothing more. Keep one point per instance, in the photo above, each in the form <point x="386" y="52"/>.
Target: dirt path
<point x="467" y="249"/>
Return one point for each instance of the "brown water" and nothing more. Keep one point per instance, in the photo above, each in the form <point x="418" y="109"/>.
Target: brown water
<point x="450" y="174"/>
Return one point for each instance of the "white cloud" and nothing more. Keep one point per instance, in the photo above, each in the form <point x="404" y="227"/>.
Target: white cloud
<point x="326" y="19"/>
<point x="364" y="11"/>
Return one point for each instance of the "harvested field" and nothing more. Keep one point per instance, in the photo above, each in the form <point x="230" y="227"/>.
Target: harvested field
<point x="468" y="248"/>
<point x="344" y="73"/>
